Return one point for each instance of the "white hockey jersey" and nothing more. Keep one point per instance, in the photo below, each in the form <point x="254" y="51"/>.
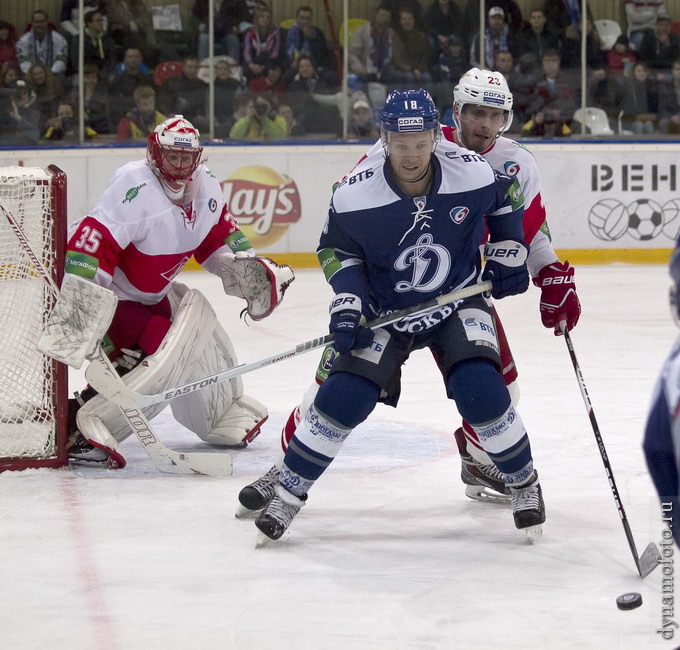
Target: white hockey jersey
<point x="135" y="240"/>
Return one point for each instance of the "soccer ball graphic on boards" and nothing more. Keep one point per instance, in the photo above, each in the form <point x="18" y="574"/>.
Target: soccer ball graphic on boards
<point x="645" y="219"/>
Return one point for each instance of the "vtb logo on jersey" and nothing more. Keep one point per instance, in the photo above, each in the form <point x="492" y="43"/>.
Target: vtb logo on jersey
<point x="428" y="262"/>
<point x="459" y="213"/>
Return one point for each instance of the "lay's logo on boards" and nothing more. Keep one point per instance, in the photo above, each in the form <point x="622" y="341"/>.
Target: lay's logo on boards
<point x="405" y="124"/>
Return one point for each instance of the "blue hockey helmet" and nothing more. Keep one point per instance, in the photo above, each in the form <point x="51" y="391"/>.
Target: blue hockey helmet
<point x="409" y="111"/>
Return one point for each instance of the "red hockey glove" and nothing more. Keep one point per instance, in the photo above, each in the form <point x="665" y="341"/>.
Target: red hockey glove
<point x="559" y="301"/>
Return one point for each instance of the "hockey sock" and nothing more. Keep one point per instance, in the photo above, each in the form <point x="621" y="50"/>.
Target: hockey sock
<point x="478" y="390"/>
<point x="312" y="449"/>
<point x="507" y="443"/>
<point x="347" y="399"/>
<point x="484" y="401"/>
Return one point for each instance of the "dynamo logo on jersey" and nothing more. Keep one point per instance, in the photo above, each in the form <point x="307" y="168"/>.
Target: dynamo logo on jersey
<point x="493" y="97"/>
<point x="406" y="124"/>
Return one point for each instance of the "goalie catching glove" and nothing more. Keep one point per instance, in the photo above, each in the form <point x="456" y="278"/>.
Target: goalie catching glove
<point x="559" y="301"/>
<point x="506" y="267"/>
<point x="258" y="280"/>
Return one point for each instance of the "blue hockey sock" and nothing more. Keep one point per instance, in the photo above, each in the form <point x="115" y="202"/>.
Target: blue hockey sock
<point x="484" y="401"/>
<point x="478" y="390"/>
<point x="347" y="399"/>
<point x="311" y="450"/>
<point x="507" y="443"/>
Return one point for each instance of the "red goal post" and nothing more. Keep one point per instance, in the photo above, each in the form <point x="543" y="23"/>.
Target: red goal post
<point x="33" y="388"/>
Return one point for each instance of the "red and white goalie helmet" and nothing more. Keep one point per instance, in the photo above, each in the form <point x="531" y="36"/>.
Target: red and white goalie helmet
<point x="173" y="153"/>
<point x="483" y="88"/>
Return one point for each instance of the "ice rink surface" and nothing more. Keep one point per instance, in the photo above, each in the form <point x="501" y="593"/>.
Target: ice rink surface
<point x="389" y="552"/>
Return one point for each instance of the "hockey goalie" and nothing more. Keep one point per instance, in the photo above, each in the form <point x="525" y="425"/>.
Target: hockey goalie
<point x="118" y="293"/>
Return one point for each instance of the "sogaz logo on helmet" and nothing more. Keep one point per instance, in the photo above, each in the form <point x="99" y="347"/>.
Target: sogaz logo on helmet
<point x="493" y="97"/>
<point x="410" y="124"/>
<point x="182" y="141"/>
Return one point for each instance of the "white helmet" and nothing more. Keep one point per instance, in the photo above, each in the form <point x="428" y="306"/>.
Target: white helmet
<point x="175" y="135"/>
<point x="483" y="88"/>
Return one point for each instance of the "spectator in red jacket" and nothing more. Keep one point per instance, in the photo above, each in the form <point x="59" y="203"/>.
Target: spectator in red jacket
<point x="270" y="83"/>
<point x="620" y="59"/>
<point x="8" y="41"/>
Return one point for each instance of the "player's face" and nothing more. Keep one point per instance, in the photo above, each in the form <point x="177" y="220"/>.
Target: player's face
<point x="410" y="153"/>
<point x="178" y="163"/>
<point x="479" y="126"/>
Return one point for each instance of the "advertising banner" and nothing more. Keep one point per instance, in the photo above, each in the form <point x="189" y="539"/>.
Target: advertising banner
<point x="614" y="201"/>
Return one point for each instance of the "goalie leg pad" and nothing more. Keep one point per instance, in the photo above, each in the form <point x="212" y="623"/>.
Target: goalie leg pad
<point x="220" y="414"/>
<point x="242" y="422"/>
<point x="168" y="366"/>
<point x="97" y="434"/>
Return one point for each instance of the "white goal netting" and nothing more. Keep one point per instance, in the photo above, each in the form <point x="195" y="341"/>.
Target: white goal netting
<point x="28" y="419"/>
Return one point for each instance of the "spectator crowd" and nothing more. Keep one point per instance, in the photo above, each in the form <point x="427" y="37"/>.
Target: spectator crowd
<point x="274" y="81"/>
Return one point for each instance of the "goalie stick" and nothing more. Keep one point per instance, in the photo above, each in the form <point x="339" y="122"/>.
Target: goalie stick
<point x="651" y="557"/>
<point x="167" y="460"/>
<point x="109" y="384"/>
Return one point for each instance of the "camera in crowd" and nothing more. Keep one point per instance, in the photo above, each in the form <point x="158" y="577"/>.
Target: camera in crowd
<point x="262" y="107"/>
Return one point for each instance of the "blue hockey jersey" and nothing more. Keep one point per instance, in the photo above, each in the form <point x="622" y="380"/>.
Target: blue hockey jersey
<point x="394" y="250"/>
<point x="662" y="438"/>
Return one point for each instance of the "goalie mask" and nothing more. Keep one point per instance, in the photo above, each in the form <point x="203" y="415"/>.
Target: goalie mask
<point x="173" y="153"/>
<point x="483" y="88"/>
<point x="409" y="111"/>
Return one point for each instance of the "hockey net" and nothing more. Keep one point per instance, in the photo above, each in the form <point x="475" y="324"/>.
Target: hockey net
<point x="33" y="388"/>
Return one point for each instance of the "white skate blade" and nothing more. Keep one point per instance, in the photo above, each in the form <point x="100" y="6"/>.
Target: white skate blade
<point x="482" y="493"/>
<point x="263" y="541"/>
<point x="243" y="513"/>
<point x="533" y="532"/>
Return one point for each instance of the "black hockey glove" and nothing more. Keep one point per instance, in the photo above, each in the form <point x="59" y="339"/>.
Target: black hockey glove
<point x="506" y="267"/>
<point x="348" y="334"/>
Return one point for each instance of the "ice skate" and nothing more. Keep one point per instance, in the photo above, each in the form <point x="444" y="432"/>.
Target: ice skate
<point x="255" y="496"/>
<point x="482" y="482"/>
<point x="278" y="514"/>
<point x="528" y="508"/>
<point x="82" y="452"/>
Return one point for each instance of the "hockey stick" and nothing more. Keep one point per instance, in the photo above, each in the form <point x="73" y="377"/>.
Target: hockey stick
<point x="167" y="460"/>
<point x="650" y="558"/>
<point x="108" y="383"/>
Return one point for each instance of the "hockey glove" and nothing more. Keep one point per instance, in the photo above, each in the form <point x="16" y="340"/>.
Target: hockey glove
<point x="348" y="334"/>
<point x="258" y="280"/>
<point x="506" y="267"/>
<point x="559" y="301"/>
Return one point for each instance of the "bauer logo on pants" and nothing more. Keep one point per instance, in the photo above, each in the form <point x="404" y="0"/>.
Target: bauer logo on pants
<point x="263" y="202"/>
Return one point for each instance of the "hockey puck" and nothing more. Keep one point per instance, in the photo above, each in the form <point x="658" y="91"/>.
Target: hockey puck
<point x="629" y="601"/>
